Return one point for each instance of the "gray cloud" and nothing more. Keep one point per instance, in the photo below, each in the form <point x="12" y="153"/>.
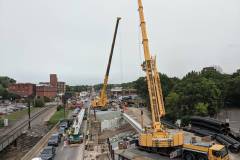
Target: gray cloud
<point x="73" y="38"/>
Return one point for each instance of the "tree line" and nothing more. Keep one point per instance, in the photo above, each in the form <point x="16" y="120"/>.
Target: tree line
<point x="4" y="83"/>
<point x="201" y="93"/>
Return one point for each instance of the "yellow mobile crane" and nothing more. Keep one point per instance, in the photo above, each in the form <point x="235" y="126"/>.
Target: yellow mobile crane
<point x="101" y="101"/>
<point x="157" y="138"/>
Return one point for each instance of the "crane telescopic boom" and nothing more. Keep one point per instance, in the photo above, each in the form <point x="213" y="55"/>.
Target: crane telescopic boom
<point x="157" y="137"/>
<point x="152" y="75"/>
<point x="101" y="102"/>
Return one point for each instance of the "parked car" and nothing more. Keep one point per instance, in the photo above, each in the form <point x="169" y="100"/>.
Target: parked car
<point x="48" y="153"/>
<point x="63" y="125"/>
<point x="61" y="131"/>
<point x="58" y="136"/>
<point x="53" y="141"/>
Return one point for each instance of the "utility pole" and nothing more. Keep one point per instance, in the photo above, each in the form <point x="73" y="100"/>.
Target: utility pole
<point x="65" y="98"/>
<point x="64" y="108"/>
<point x="29" y="114"/>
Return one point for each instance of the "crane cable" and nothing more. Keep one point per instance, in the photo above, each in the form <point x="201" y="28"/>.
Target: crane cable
<point x="120" y="55"/>
<point x="121" y="59"/>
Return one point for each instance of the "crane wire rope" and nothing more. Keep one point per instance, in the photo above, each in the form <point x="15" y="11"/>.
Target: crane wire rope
<point x="121" y="58"/>
<point x="121" y="55"/>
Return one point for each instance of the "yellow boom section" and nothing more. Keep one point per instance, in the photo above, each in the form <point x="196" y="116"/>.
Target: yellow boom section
<point x="153" y="79"/>
<point x="101" y="102"/>
<point x="157" y="136"/>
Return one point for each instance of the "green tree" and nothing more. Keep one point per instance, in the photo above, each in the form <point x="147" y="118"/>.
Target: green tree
<point x="197" y="93"/>
<point x="5" y="81"/>
<point x="78" y="88"/>
<point x="194" y="89"/>
<point x="167" y="84"/>
<point x="172" y="105"/>
<point x="232" y="91"/>
<point x="201" y="109"/>
<point x="1" y="90"/>
<point x="141" y="86"/>
<point x="236" y="74"/>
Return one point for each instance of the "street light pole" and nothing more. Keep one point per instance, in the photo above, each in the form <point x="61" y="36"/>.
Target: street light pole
<point x="29" y="114"/>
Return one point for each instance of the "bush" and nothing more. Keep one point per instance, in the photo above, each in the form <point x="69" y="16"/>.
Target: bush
<point x="39" y="103"/>
<point x="59" y="107"/>
<point x="1" y="122"/>
<point x="46" y="99"/>
<point x="185" y="120"/>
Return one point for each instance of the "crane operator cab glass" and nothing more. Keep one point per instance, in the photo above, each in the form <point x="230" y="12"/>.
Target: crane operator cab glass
<point x="221" y="154"/>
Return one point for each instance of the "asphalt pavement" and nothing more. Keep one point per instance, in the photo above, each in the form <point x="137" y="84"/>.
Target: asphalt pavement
<point x="69" y="152"/>
<point x="72" y="152"/>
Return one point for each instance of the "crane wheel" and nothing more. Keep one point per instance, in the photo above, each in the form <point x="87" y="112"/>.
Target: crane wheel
<point x="188" y="156"/>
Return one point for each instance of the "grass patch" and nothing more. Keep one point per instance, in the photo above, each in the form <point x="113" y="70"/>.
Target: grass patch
<point x="58" y="115"/>
<point x="18" y="114"/>
<point x="15" y="116"/>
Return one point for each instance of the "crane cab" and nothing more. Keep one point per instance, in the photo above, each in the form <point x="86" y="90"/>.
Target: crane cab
<point x="100" y="103"/>
<point x="204" y="152"/>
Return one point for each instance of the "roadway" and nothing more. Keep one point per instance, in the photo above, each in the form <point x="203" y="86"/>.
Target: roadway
<point x="72" y="152"/>
<point x="69" y="153"/>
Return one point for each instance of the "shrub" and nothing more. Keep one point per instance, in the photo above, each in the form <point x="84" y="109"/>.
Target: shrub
<point x="39" y="103"/>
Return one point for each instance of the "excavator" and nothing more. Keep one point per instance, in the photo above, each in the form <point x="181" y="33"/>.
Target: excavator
<point x="157" y="138"/>
<point x="101" y="102"/>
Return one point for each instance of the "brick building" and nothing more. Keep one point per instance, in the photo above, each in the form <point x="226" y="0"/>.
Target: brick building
<point x="43" y="90"/>
<point x="23" y="89"/>
<point x="61" y="87"/>
<point x="50" y="89"/>
<point x="53" y="80"/>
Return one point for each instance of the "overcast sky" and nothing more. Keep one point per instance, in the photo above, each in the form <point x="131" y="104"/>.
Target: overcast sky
<point x="73" y="38"/>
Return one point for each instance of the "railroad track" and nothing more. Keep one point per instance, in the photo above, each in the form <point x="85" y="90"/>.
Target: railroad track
<point x="14" y="133"/>
<point x="39" y="146"/>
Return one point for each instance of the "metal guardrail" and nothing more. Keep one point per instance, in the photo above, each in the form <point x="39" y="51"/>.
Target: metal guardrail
<point x="39" y="146"/>
<point x="132" y="122"/>
<point x="17" y="131"/>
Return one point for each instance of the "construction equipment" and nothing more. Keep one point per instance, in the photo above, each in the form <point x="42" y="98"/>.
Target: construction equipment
<point x="101" y="101"/>
<point x="157" y="138"/>
<point x="201" y="151"/>
<point x="74" y="132"/>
